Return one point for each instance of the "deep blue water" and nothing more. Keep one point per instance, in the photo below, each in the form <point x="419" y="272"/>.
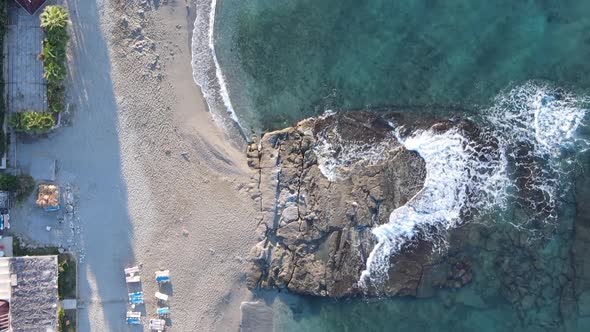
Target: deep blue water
<point x="285" y="60"/>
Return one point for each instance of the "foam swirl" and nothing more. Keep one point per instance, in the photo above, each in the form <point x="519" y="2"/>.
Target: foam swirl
<point x="529" y="128"/>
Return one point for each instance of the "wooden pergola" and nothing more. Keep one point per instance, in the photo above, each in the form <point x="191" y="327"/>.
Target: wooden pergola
<point x="31" y="6"/>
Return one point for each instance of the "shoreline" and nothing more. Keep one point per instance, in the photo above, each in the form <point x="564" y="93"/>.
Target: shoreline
<point x="207" y="72"/>
<point x="159" y="184"/>
<point x="207" y="295"/>
<point x="156" y="181"/>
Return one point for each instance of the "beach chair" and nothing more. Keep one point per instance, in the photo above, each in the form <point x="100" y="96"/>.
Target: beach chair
<point x="133" y="317"/>
<point x="136" y="298"/>
<point x="161" y="296"/>
<point x="163" y="276"/>
<point x="132" y="274"/>
<point x="157" y="324"/>
<point x="163" y="311"/>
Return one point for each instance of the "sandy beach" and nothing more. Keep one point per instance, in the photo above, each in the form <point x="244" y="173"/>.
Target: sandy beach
<point x="155" y="180"/>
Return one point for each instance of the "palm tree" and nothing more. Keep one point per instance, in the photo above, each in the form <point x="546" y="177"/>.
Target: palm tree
<point x="54" y="18"/>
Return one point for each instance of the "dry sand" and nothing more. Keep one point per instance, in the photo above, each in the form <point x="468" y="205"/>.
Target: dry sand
<point x="155" y="180"/>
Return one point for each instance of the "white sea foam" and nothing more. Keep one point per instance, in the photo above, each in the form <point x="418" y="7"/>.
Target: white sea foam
<point x="463" y="175"/>
<point x="543" y="116"/>
<point x="453" y="171"/>
<point x="206" y="70"/>
<point x="545" y="121"/>
<point x="335" y="155"/>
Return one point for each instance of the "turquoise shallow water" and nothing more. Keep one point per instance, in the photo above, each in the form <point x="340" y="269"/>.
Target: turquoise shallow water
<point x="492" y="302"/>
<point x="284" y="60"/>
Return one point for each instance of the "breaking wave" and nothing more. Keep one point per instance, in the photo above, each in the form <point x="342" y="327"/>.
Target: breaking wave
<point x="519" y="156"/>
<point x="538" y="124"/>
<point x="457" y="173"/>
<point x="206" y="70"/>
<point x="347" y="152"/>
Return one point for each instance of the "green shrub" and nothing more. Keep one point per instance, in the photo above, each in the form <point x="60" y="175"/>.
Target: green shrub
<point x="55" y="97"/>
<point x="3" y="145"/>
<point x="54" y="18"/>
<point x="8" y="182"/>
<point x="60" y="318"/>
<point x="26" y="186"/>
<point x="14" y="121"/>
<point x="55" y="72"/>
<point x="22" y="186"/>
<point x="54" y="21"/>
<point x="32" y="122"/>
<point x="3" y="24"/>
<point x="67" y="276"/>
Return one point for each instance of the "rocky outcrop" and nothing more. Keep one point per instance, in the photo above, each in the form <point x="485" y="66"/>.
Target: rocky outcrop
<point x="323" y="184"/>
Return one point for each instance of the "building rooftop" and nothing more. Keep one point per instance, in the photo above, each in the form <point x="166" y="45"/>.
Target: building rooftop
<point x="34" y="299"/>
<point x="31" y="6"/>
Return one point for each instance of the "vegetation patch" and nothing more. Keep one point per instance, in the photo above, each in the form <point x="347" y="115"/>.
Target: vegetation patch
<point x="3" y="23"/>
<point x="22" y="185"/>
<point x="26" y="186"/>
<point x="8" y="182"/>
<point x="18" y="249"/>
<point x="67" y="276"/>
<point x="54" y="21"/>
<point x="32" y="122"/>
<point x="66" y="320"/>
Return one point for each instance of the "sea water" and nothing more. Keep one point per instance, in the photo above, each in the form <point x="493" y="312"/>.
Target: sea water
<point x="517" y="68"/>
<point x="288" y="59"/>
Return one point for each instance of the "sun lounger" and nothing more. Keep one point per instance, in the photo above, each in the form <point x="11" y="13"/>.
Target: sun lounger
<point x="157" y="324"/>
<point x="161" y="296"/>
<point x="136" y="298"/>
<point x="133" y="317"/>
<point x="163" y="276"/>
<point x="132" y="270"/>
<point x="163" y="311"/>
<point x="132" y="274"/>
<point x="132" y="279"/>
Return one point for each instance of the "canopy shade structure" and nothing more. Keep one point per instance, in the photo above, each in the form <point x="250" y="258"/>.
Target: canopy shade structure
<point x="48" y="197"/>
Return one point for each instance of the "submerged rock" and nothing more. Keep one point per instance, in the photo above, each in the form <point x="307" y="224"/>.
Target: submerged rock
<point x="324" y="184"/>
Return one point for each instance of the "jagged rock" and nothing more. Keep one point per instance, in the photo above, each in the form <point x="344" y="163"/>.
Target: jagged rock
<point x="317" y="228"/>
